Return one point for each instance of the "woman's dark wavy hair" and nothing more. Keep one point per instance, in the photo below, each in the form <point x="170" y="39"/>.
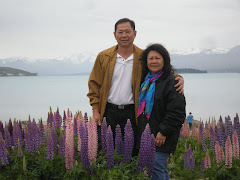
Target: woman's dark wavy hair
<point x="167" y="67"/>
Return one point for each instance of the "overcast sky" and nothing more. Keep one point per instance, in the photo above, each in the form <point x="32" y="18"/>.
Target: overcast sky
<point x="54" y="28"/>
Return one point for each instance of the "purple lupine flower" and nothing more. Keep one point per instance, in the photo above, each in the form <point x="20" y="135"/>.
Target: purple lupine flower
<point x="3" y="152"/>
<point x="212" y="139"/>
<point x="220" y="120"/>
<point x="75" y="128"/>
<point x="221" y="134"/>
<point x="50" y="145"/>
<point x="1" y="128"/>
<point x="64" y="119"/>
<point x="206" y="125"/>
<point x="61" y="151"/>
<point x="229" y="131"/>
<point x="202" y="167"/>
<point x="203" y="138"/>
<point x="192" y="163"/>
<point x="7" y="138"/>
<point x="109" y="148"/>
<point x="237" y="127"/>
<point x="216" y="133"/>
<point x="27" y="140"/>
<point x="19" y="153"/>
<point x="118" y="140"/>
<point x="224" y="138"/>
<point x="85" y="117"/>
<point x="128" y="142"/>
<point x="21" y="129"/>
<point x="84" y="146"/>
<point x="35" y="136"/>
<point x="58" y="119"/>
<point x="29" y="134"/>
<point x="186" y="159"/>
<point x="54" y="137"/>
<point x="50" y="119"/>
<point x="10" y="127"/>
<point x="153" y="151"/>
<point x="145" y="151"/>
<point x="189" y="161"/>
<point x="41" y="131"/>
<point x="17" y="134"/>
<point x="103" y="133"/>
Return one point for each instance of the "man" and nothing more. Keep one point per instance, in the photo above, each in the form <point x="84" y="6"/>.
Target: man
<point x="114" y="82"/>
<point x="190" y="120"/>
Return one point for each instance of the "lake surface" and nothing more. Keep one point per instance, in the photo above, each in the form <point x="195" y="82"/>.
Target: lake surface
<point x="207" y="95"/>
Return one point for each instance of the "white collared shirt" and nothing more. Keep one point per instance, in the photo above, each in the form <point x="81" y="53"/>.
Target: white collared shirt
<point x="121" y="86"/>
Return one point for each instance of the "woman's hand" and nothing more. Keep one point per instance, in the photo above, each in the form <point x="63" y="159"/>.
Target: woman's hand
<point x="160" y="139"/>
<point x="180" y="85"/>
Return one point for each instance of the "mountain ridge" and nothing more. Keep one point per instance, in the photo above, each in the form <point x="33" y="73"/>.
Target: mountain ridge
<point x="212" y="60"/>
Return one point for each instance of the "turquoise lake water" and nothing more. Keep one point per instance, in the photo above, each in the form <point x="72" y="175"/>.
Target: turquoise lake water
<point x="206" y="95"/>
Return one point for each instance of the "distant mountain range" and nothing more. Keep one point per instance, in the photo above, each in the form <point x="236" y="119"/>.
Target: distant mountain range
<point x="210" y="60"/>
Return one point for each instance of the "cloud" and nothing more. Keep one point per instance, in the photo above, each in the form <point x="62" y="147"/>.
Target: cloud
<point x="52" y="28"/>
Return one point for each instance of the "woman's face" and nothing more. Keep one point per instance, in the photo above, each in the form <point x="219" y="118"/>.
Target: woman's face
<point x="155" y="62"/>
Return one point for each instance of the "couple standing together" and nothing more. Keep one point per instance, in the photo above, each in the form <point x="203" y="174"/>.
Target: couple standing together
<point x="129" y="83"/>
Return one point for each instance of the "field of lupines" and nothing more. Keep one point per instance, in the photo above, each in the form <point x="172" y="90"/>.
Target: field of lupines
<point x="209" y="151"/>
<point x="66" y="148"/>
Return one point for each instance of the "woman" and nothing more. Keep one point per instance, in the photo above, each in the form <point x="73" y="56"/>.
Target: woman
<point x="160" y="105"/>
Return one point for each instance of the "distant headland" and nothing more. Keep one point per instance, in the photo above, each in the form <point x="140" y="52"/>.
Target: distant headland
<point x="189" y="70"/>
<point x="7" y="71"/>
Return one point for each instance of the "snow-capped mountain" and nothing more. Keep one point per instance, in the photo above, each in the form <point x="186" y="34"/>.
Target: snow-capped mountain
<point x="212" y="60"/>
<point x="78" y="58"/>
<point x="192" y="51"/>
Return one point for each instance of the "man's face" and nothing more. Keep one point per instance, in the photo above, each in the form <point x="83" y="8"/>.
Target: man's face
<point x="125" y="35"/>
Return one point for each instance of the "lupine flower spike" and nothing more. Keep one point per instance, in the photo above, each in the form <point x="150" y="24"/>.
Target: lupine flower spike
<point x="145" y="151"/>
<point x="92" y="141"/>
<point x="235" y="144"/>
<point x="207" y="161"/>
<point x="69" y="144"/>
<point x="103" y="133"/>
<point x="118" y="140"/>
<point x="109" y="148"/>
<point x="228" y="151"/>
<point x="128" y="142"/>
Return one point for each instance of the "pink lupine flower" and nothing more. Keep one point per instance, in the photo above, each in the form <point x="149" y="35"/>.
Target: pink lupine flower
<point x="92" y="140"/>
<point x="228" y="151"/>
<point x="235" y="144"/>
<point x="194" y="132"/>
<point x="69" y="144"/>
<point x="207" y="161"/>
<point x="207" y="133"/>
<point x="219" y="153"/>
<point x="199" y="134"/>
<point x="185" y="130"/>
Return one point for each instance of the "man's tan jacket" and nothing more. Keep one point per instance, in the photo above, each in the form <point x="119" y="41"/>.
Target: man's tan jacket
<point x="100" y="79"/>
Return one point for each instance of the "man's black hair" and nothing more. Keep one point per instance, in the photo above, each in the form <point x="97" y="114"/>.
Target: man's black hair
<point x="123" y="20"/>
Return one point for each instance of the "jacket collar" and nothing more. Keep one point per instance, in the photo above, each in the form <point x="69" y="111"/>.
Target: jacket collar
<point x="113" y="51"/>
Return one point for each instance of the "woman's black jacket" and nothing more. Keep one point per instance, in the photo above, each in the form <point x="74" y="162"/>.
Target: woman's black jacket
<point x="168" y="114"/>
